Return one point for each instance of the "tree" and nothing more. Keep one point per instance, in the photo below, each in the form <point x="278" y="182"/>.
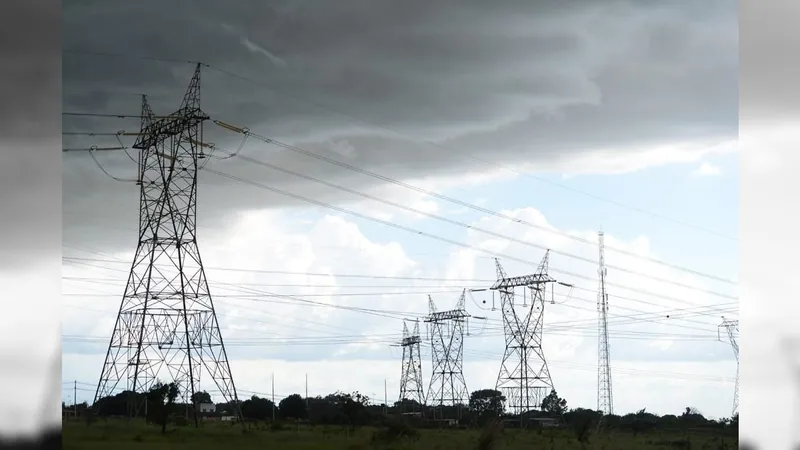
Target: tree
<point x="293" y="407"/>
<point x="201" y="397"/>
<point x="257" y="408"/>
<point x="353" y="406"/>
<point x="407" y="405"/>
<point x="554" y="404"/>
<point x="162" y="397"/>
<point x="692" y="415"/>
<point x="486" y="404"/>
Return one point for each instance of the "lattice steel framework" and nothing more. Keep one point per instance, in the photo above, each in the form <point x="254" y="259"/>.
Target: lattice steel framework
<point x="524" y="378"/>
<point x="167" y="328"/>
<point x="411" y="374"/>
<point x="605" y="399"/>
<point x="446" y="330"/>
<point x="732" y="328"/>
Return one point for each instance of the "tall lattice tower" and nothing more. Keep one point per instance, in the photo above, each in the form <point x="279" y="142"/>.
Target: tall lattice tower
<point x="732" y="328"/>
<point x="166" y="327"/>
<point x="411" y="374"/>
<point x="605" y="400"/>
<point x="446" y="331"/>
<point x="524" y="377"/>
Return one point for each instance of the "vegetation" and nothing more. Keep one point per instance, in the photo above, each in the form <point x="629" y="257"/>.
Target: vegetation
<point x="349" y="421"/>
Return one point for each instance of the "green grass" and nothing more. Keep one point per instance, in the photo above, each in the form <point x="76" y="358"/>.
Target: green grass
<point x="119" y="435"/>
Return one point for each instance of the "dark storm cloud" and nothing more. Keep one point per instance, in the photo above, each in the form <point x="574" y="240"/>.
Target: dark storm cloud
<point x="507" y="81"/>
<point x="30" y="171"/>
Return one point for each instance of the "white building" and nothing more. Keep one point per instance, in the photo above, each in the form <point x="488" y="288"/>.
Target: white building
<point x="206" y="408"/>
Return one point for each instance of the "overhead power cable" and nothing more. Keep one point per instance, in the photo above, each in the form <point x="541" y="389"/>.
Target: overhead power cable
<point x="469" y="227"/>
<point x="248" y="133"/>
<point x="713" y="309"/>
<point x="267" y="140"/>
<point x="397" y="133"/>
<point x="422" y="233"/>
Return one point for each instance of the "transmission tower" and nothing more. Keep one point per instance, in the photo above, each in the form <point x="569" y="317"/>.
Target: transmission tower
<point x="605" y="402"/>
<point x="411" y="374"/>
<point x="524" y="377"/>
<point x="732" y="328"/>
<point x="446" y="331"/>
<point x="166" y="327"/>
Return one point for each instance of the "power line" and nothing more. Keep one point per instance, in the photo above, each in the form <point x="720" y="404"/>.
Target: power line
<point x="435" y="195"/>
<point x="636" y="300"/>
<point x="467" y="226"/>
<point x="421" y="233"/>
<point x="115" y="116"/>
<point x="404" y="135"/>
<point x="351" y="167"/>
<point x="640" y="316"/>
<point x="446" y="198"/>
<point x="442" y="197"/>
<point x="312" y="274"/>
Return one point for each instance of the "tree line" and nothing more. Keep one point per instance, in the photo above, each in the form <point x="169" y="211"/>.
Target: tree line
<point x="356" y="409"/>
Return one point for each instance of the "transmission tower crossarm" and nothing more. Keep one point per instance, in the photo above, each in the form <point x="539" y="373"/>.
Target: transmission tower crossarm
<point x="532" y="280"/>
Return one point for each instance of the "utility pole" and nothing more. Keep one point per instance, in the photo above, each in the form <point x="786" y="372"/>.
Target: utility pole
<point x="605" y="401"/>
<point x="308" y="411"/>
<point x="732" y="327"/>
<point x="273" y="397"/>
<point x="75" y="397"/>
<point x="166" y="318"/>
<point x="447" y="386"/>
<point x="385" y="397"/>
<point x="411" y="370"/>
<point x="524" y="378"/>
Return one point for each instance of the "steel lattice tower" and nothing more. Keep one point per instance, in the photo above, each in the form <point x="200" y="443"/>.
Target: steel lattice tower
<point x="446" y="331"/>
<point x="166" y="327"/>
<point x="524" y="377"/>
<point x="732" y="327"/>
<point x="411" y="374"/>
<point x="605" y="400"/>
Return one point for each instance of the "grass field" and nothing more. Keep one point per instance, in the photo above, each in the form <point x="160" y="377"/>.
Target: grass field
<point x="119" y="435"/>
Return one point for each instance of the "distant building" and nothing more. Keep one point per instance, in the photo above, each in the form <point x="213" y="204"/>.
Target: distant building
<point x="206" y="408"/>
<point x="545" y="422"/>
<point x="446" y="422"/>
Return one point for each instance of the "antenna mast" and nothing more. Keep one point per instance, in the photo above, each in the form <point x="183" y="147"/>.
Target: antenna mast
<point x="605" y="400"/>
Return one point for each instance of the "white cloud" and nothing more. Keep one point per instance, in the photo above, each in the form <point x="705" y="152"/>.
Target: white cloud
<point x="707" y="170"/>
<point x="342" y="349"/>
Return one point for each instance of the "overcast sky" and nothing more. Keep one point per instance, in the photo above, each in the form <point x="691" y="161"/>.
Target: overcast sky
<point x="565" y="118"/>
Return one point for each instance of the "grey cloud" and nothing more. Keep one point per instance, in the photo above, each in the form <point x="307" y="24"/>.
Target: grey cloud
<point x="507" y="81"/>
<point x="30" y="173"/>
